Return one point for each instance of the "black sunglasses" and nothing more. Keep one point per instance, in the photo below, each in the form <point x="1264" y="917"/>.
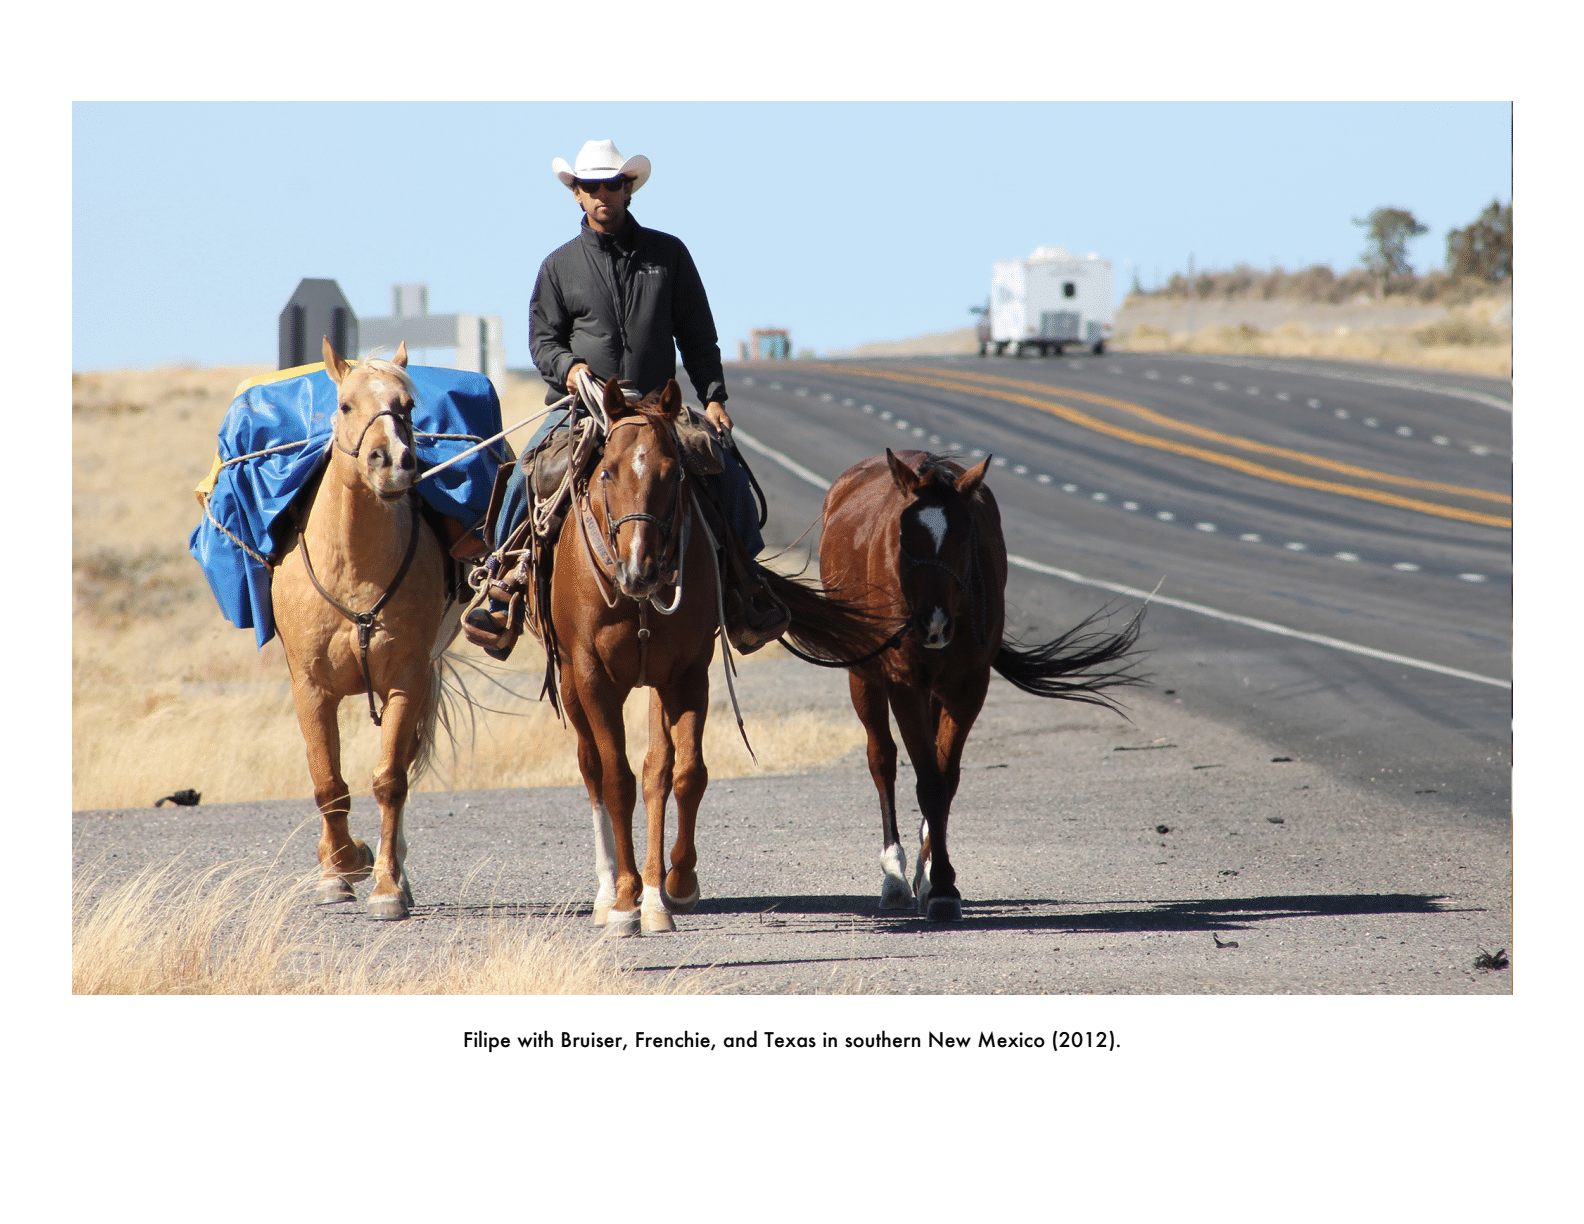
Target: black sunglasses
<point x="593" y="185"/>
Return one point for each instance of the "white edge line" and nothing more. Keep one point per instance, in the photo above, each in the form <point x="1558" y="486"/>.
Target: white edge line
<point x="797" y="469"/>
<point x="791" y="465"/>
<point x="1267" y="626"/>
<point x="1404" y="384"/>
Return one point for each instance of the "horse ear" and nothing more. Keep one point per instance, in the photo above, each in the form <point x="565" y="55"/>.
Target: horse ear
<point x="401" y="355"/>
<point x="906" y="478"/>
<point x="615" y="401"/>
<point x="335" y="365"/>
<point x="670" y="400"/>
<point x="970" y="480"/>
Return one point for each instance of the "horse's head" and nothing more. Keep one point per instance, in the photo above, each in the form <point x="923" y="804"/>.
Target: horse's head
<point x="373" y="421"/>
<point x="639" y="485"/>
<point x="938" y="542"/>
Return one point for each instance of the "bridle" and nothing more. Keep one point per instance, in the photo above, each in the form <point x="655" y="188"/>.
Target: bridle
<point x="603" y="552"/>
<point x="612" y="526"/>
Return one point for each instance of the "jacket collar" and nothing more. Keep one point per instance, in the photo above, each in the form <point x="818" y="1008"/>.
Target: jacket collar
<point x="625" y="239"/>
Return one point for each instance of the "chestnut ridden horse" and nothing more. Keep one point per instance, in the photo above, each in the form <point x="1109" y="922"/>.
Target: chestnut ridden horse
<point x="923" y="538"/>
<point x="635" y="600"/>
<point x="364" y="555"/>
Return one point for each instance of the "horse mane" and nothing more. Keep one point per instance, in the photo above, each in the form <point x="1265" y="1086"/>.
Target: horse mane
<point x="378" y="365"/>
<point x="945" y="469"/>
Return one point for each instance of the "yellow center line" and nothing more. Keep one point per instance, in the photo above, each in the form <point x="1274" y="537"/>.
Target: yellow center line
<point x="1247" y="444"/>
<point x="1256" y="470"/>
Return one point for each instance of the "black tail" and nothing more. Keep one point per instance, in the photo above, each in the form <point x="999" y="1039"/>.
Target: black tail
<point x="826" y="626"/>
<point x="1077" y="666"/>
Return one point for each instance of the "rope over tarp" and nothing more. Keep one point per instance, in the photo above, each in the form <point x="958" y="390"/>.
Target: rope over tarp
<point x="273" y="441"/>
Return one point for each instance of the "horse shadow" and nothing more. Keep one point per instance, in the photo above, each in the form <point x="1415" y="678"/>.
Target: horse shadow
<point x="1035" y="915"/>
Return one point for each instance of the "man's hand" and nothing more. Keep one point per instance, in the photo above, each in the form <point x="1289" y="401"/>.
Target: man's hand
<point x="715" y="413"/>
<point x="571" y="375"/>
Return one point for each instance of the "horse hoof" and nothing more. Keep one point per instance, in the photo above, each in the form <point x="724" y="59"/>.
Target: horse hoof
<point x="601" y="914"/>
<point x="333" y="891"/>
<point x="619" y="924"/>
<point x="682" y="905"/>
<point x="388" y="909"/>
<point x="365" y="866"/>
<point x="656" y="922"/>
<point x="944" y="909"/>
<point x="895" y="894"/>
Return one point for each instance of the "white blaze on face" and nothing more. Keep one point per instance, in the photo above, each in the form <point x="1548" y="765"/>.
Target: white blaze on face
<point x="639" y="469"/>
<point x="933" y="519"/>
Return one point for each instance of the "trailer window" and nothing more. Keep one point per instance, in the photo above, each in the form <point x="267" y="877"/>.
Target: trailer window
<point x="1069" y="289"/>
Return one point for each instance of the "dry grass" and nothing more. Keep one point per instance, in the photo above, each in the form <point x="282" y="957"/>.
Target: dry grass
<point x="166" y="694"/>
<point x="234" y="930"/>
<point x="1465" y="338"/>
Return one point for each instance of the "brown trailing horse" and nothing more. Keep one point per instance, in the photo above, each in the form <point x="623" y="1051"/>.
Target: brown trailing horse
<point x="635" y="600"/>
<point x="923" y="538"/>
<point x="361" y="606"/>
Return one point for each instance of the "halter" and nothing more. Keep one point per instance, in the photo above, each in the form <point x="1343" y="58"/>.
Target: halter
<point x="404" y="427"/>
<point x="971" y="581"/>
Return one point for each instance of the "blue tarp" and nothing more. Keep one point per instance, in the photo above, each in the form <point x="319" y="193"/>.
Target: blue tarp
<point x="247" y="496"/>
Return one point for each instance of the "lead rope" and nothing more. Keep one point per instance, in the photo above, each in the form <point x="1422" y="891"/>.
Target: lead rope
<point x="365" y="620"/>
<point x="720" y="612"/>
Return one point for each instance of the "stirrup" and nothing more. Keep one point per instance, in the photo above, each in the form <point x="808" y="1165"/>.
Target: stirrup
<point x="494" y="621"/>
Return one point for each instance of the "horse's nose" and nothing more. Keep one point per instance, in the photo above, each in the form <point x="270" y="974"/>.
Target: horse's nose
<point x="937" y="632"/>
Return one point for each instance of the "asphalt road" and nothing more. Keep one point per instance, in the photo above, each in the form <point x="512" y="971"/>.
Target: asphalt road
<point x="1256" y="541"/>
<point x="1279" y="815"/>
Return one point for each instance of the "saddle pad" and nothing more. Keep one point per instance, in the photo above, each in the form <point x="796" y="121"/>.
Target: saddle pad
<point x="292" y="410"/>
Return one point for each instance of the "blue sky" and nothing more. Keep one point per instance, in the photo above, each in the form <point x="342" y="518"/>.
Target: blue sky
<point x="843" y="221"/>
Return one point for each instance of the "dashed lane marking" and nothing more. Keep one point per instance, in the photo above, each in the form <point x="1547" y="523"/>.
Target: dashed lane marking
<point x="819" y="482"/>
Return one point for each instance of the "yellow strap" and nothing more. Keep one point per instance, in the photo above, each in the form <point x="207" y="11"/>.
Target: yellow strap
<point x="207" y="484"/>
<point x="277" y="376"/>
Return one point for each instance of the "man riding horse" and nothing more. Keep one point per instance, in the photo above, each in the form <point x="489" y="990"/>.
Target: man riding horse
<point x="618" y="301"/>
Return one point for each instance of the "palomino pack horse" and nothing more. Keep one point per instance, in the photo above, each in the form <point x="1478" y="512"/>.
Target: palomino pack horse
<point x="635" y="600"/>
<point x="923" y="538"/>
<point x="361" y="607"/>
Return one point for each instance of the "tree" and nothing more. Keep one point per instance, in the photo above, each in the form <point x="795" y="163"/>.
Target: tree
<point x="1484" y="248"/>
<point x="1389" y="230"/>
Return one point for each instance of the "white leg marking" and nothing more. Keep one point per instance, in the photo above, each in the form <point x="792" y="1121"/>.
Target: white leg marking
<point x="653" y="900"/>
<point x="894" y="890"/>
<point x="604" y="858"/>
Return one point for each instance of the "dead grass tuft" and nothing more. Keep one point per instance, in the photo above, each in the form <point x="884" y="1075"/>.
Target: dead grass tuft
<point x="237" y="930"/>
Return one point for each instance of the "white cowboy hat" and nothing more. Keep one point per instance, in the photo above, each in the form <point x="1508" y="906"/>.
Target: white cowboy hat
<point x="601" y="159"/>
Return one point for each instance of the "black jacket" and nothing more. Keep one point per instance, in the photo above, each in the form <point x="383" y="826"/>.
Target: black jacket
<point x="624" y="303"/>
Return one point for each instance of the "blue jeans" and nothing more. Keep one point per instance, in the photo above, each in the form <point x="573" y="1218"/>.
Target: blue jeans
<point x="731" y="487"/>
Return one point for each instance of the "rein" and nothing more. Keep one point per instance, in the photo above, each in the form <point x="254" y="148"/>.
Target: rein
<point x="365" y="620"/>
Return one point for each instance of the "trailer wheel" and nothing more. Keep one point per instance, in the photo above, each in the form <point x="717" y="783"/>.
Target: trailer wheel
<point x="1018" y="352"/>
<point x="1098" y="348"/>
<point x="1000" y="348"/>
<point x="1057" y="347"/>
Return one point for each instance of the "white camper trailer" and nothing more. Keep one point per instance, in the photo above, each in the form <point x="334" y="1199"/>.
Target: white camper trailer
<point x="1049" y="300"/>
